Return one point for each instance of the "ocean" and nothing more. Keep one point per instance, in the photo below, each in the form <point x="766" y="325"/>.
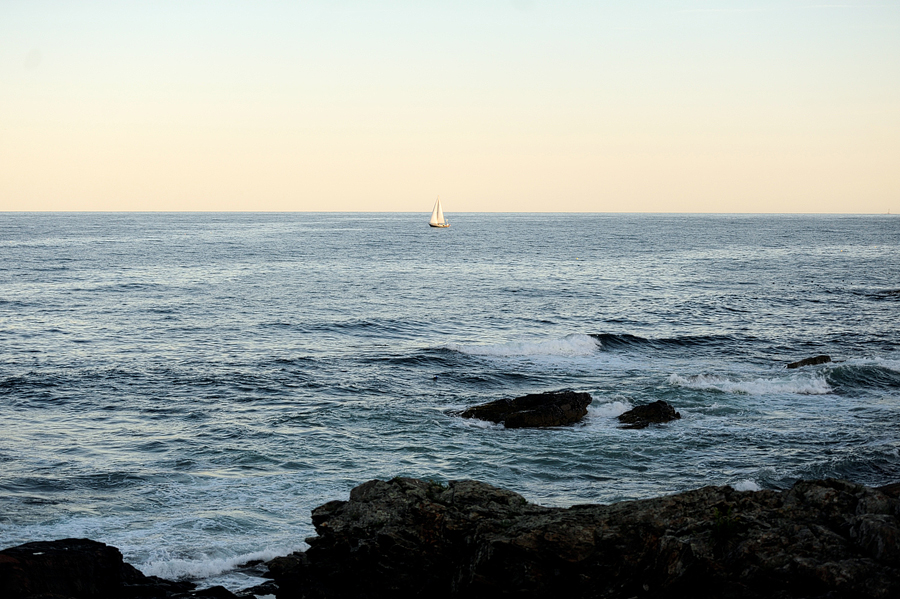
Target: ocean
<point x="188" y="386"/>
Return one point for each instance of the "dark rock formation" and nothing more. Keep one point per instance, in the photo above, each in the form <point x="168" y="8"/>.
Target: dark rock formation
<point x="556" y="408"/>
<point x="810" y="361"/>
<point x="641" y="416"/>
<point x="891" y="490"/>
<point x="216" y="592"/>
<point x="77" y="568"/>
<point x="267" y="588"/>
<point x="413" y="538"/>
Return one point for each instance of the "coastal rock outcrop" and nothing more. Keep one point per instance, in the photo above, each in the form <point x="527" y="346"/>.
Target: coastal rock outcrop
<point x="556" y="408"/>
<point x="658" y="412"/>
<point x="414" y="538"/>
<point x="78" y="569"/>
<point x="823" y="359"/>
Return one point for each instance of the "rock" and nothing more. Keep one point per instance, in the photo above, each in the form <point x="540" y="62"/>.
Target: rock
<point x="267" y="588"/>
<point x="76" y="568"/>
<point x="216" y="592"/>
<point x="641" y="416"/>
<point x="556" y="408"/>
<point x="891" y="490"/>
<point x="810" y="361"/>
<point x="414" y="538"/>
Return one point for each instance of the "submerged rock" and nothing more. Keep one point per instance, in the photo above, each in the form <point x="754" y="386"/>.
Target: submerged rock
<point x="657" y="412"/>
<point x="415" y="538"/>
<point x="810" y="361"/>
<point x="556" y="408"/>
<point x="78" y="569"/>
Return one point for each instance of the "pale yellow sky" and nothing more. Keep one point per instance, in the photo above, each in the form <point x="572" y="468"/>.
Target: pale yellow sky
<point x="701" y="106"/>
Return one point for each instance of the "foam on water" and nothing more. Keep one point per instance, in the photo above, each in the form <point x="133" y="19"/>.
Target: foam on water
<point x="481" y="424"/>
<point x="746" y="485"/>
<point x="801" y="384"/>
<point x="166" y="566"/>
<point x="573" y="345"/>
<point x="609" y="409"/>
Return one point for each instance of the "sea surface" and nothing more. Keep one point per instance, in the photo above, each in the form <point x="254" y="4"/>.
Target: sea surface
<point x="187" y="387"/>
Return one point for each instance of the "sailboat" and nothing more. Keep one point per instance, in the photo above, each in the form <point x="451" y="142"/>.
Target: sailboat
<point x="437" y="216"/>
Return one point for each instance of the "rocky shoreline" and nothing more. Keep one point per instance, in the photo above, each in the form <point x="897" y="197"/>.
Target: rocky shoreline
<point x="415" y="538"/>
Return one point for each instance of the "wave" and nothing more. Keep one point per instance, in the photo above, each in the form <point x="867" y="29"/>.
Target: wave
<point x="878" y="362"/>
<point x="573" y="345"/>
<point x="746" y="485"/>
<point x="761" y="386"/>
<point x="865" y="374"/>
<point x="390" y="328"/>
<point x="624" y="340"/>
<point x="206" y="567"/>
<point x="886" y="294"/>
<point x="610" y="409"/>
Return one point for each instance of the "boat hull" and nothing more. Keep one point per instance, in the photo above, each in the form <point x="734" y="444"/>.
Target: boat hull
<point x="444" y="226"/>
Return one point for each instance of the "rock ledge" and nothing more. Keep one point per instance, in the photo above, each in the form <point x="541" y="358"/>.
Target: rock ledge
<point x="414" y="538"/>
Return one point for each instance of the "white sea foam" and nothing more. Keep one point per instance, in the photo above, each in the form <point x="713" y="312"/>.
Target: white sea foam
<point x="745" y="485"/>
<point x="477" y="423"/>
<point x="803" y="385"/>
<point x="571" y="345"/>
<point x="204" y="567"/>
<point x="610" y="409"/>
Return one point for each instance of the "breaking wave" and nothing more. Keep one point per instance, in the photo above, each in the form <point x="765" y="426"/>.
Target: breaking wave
<point x="746" y="485"/>
<point x="760" y="386"/>
<point x="570" y="345"/>
<point x="610" y="409"/>
<point x="206" y="567"/>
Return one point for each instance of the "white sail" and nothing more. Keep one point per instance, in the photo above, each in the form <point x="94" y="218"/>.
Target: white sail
<point x="437" y="215"/>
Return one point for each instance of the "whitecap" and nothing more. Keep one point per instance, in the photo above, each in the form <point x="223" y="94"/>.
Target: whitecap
<point x="610" y="409"/>
<point x="478" y="423"/>
<point x="746" y="485"/>
<point x="575" y="344"/>
<point x="204" y="567"/>
<point x="802" y="385"/>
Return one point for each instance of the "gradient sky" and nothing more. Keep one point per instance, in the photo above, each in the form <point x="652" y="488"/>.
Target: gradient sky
<point x="678" y="106"/>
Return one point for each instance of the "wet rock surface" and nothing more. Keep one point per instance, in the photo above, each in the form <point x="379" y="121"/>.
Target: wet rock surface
<point x="86" y="569"/>
<point x="658" y="412"/>
<point x="557" y="408"/>
<point x="810" y="361"/>
<point x="77" y="568"/>
<point x="415" y="538"/>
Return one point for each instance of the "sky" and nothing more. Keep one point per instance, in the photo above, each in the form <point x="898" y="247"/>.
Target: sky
<point x="523" y="105"/>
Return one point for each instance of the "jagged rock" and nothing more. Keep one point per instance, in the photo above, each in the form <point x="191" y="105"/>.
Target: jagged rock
<point x="77" y="569"/>
<point x="657" y="412"/>
<point x="414" y="538"/>
<point x="810" y="361"/>
<point x="556" y="408"/>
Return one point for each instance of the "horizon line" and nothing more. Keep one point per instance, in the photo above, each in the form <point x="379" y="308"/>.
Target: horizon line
<point x="888" y="213"/>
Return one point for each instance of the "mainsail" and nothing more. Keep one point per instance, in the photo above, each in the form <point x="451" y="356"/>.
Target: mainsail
<point x="437" y="215"/>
